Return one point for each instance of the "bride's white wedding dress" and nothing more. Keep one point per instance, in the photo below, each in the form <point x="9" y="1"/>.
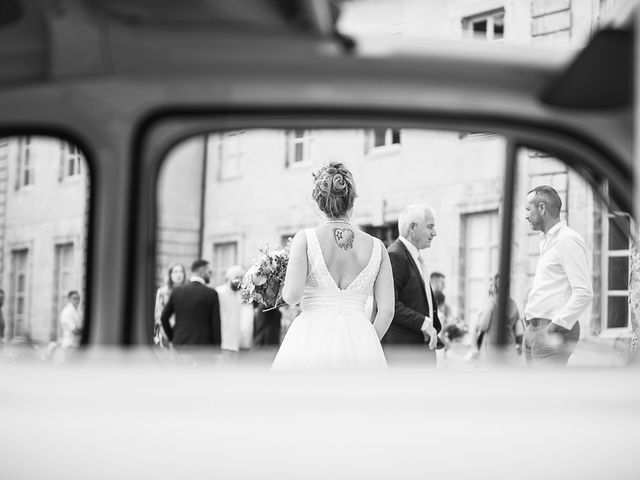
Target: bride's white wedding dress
<point x="332" y="331"/>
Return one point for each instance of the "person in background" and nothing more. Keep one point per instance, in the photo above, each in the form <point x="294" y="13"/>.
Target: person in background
<point x="176" y="276"/>
<point x="197" y="310"/>
<point x="70" y="321"/>
<point x="247" y="319"/>
<point x="1" y="316"/>
<point x="437" y="282"/>
<point x="488" y="319"/>
<point x="452" y="329"/>
<point x="232" y="310"/>
<point x="267" y="326"/>
<point x="561" y="288"/>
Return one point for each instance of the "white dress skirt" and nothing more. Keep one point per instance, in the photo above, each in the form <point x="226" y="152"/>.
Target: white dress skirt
<point x="333" y="331"/>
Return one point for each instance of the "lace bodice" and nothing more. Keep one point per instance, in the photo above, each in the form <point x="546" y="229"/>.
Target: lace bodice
<point x="321" y="290"/>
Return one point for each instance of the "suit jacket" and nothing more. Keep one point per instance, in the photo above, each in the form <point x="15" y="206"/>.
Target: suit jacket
<point x="267" y="327"/>
<point x="411" y="299"/>
<point x="197" y="314"/>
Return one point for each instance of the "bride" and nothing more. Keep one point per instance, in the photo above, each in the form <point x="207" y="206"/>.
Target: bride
<point x="333" y="269"/>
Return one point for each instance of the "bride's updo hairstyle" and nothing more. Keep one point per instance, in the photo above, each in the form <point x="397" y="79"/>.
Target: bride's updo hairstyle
<point x="334" y="189"/>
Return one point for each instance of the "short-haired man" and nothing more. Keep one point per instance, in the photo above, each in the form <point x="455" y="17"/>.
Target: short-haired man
<point x="196" y="308"/>
<point x="561" y="288"/>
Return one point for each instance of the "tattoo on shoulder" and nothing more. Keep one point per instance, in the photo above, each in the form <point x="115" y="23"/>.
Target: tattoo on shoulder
<point x="344" y="238"/>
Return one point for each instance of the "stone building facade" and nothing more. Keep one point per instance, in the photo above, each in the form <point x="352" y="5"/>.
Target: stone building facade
<point x="44" y="190"/>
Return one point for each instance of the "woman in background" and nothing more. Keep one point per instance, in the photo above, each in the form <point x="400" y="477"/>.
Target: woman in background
<point x="176" y="275"/>
<point x="488" y="317"/>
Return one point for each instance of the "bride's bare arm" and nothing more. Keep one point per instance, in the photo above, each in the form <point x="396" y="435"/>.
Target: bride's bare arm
<point x="296" y="276"/>
<point x="384" y="295"/>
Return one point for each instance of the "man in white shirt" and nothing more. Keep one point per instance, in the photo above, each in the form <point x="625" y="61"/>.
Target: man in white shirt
<point x="70" y="322"/>
<point x="561" y="288"/>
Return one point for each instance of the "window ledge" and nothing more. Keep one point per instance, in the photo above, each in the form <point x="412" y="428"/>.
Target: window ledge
<point x="71" y="179"/>
<point x="300" y="165"/>
<point x="230" y="178"/>
<point x="385" y="151"/>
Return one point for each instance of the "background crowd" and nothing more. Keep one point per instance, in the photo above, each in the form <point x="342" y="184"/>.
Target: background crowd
<point x="235" y="326"/>
<point x="247" y="327"/>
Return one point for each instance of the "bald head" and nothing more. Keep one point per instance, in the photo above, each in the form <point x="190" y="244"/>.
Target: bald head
<point x="233" y="277"/>
<point x="233" y="273"/>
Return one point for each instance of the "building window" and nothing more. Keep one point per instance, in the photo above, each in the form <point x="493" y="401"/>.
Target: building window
<point x="379" y="138"/>
<point x="225" y="255"/>
<point x="616" y="267"/>
<point x="18" y="289"/>
<point x="62" y="282"/>
<point x="231" y="153"/>
<point x="299" y="147"/>
<point x="387" y="233"/>
<point x="70" y="160"/>
<point x="25" y="174"/>
<point x="485" y="26"/>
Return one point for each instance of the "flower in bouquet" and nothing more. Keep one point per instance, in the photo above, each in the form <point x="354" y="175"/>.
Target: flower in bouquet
<point x="264" y="280"/>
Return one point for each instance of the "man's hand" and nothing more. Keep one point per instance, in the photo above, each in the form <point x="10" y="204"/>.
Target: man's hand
<point x="430" y="333"/>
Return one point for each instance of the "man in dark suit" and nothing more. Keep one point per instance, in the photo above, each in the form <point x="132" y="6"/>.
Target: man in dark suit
<point x="415" y="321"/>
<point x="266" y="327"/>
<point x="196" y="308"/>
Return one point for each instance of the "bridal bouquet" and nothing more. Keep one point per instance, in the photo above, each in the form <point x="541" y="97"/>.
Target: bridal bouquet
<point x="264" y="280"/>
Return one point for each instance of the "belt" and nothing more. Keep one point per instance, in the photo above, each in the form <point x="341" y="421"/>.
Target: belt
<point x="537" y="322"/>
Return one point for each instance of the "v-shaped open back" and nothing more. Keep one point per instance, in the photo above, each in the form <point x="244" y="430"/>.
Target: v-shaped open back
<point x="319" y="276"/>
<point x="324" y="262"/>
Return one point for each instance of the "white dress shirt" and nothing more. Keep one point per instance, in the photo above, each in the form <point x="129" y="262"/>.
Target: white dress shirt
<point x="562" y="283"/>
<point x="417" y="257"/>
<point x="230" y="309"/>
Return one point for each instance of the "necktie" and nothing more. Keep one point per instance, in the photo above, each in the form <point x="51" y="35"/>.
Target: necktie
<point x="427" y="287"/>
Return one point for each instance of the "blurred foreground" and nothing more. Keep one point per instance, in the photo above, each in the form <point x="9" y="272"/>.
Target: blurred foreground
<point x="105" y="414"/>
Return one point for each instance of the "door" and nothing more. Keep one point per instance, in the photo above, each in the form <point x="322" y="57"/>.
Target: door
<point x="481" y="235"/>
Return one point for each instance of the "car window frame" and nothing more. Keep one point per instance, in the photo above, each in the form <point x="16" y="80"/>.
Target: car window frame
<point x="162" y="130"/>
